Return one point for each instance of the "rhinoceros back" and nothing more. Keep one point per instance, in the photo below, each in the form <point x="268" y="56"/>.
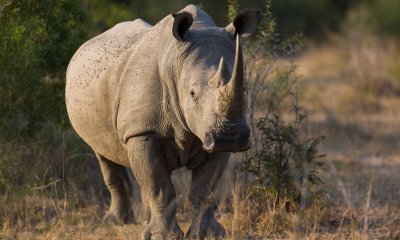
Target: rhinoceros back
<point x="93" y="79"/>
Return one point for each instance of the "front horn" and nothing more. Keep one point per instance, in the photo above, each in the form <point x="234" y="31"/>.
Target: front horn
<point x="232" y="94"/>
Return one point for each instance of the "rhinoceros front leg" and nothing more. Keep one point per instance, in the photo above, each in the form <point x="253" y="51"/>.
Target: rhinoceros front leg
<point x="149" y="167"/>
<point x="117" y="181"/>
<point x="204" y="181"/>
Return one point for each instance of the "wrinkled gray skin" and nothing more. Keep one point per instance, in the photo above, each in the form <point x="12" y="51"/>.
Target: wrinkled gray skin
<point x="158" y="98"/>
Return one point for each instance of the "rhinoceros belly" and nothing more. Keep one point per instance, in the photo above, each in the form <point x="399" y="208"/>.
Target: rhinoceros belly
<point x="93" y="77"/>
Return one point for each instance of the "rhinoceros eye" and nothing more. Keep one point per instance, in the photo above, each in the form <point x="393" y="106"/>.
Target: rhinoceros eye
<point x="192" y="93"/>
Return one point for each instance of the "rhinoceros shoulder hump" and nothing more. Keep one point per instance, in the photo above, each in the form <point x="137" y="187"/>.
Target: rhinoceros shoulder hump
<point x="130" y="27"/>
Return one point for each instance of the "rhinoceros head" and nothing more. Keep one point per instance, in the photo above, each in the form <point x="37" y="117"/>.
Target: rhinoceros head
<point x="211" y="89"/>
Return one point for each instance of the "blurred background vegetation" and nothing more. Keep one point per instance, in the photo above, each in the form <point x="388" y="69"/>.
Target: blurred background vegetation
<point x="38" y="148"/>
<point x="38" y="38"/>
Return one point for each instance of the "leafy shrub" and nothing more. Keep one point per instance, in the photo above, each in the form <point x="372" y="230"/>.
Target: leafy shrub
<point x="279" y="162"/>
<point x="37" y="40"/>
<point x="267" y="85"/>
<point x="286" y="163"/>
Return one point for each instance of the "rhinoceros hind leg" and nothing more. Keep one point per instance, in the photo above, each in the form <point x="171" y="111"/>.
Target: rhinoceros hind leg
<point x="117" y="181"/>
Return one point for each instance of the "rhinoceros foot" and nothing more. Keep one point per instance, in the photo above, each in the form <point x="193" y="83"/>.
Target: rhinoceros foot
<point x="150" y="234"/>
<point x="208" y="227"/>
<point x="113" y="217"/>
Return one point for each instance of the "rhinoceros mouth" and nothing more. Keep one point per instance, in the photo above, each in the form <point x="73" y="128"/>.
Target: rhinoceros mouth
<point x="227" y="142"/>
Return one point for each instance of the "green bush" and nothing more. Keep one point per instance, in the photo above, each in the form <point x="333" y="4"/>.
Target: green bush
<point x="280" y="162"/>
<point x="37" y="40"/>
<point x="287" y="165"/>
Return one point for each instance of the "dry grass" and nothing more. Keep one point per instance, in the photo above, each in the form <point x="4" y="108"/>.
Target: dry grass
<point x="337" y="217"/>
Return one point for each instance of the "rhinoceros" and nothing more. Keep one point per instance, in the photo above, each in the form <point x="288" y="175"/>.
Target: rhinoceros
<point x="158" y="98"/>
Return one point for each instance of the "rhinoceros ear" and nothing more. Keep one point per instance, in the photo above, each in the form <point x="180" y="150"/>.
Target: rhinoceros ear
<point x="182" y="23"/>
<point x="245" y="23"/>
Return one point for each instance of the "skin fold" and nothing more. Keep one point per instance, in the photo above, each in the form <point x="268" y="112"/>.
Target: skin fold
<point x="157" y="98"/>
